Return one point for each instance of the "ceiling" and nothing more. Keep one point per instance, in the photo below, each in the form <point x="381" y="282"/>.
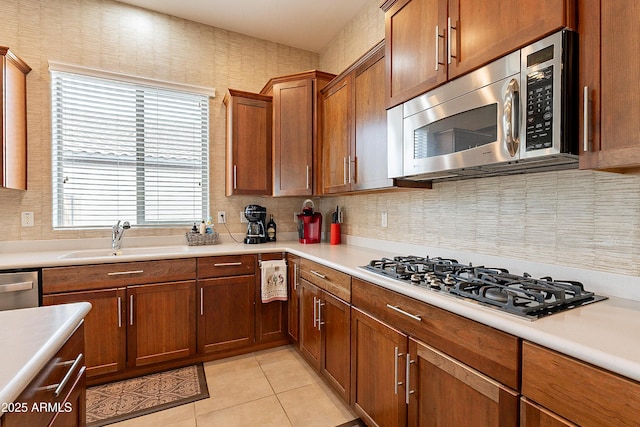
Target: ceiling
<point x="305" y="24"/>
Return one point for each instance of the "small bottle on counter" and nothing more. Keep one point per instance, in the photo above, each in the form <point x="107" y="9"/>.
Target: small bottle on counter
<point x="194" y="230"/>
<point x="271" y="230"/>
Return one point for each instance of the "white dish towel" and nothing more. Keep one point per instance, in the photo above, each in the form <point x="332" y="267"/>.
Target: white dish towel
<point x="274" y="280"/>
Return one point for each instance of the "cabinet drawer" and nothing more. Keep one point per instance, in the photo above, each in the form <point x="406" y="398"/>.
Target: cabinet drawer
<point x="102" y="276"/>
<point x="332" y="281"/>
<point x="52" y="386"/>
<point x="577" y="391"/>
<point x="225" y="266"/>
<point x="492" y="352"/>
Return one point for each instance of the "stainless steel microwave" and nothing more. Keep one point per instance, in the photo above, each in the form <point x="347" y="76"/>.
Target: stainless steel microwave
<point x="514" y="115"/>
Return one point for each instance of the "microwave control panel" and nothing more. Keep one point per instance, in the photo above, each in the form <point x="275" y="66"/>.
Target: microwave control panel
<point x="540" y="109"/>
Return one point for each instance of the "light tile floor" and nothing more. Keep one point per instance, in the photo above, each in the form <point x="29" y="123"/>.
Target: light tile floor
<point x="274" y="387"/>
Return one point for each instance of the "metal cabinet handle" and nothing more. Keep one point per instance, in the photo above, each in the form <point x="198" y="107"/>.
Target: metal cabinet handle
<point x="449" y="31"/>
<point x="438" y="37"/>
<point x="315" y="273"/>
<point x="308" y="177"/>
<point x="586" y="128"/>
<point x="235" y="177"/>
<point x="401" y="311"/>
<point x="320" y="322"/>
<point x="122" y="273"/>
<point x="201" y="301"/>
<point x="315" y="312"/>
<point x="131" y="310"/>
<point x="295" y="276"/>
<point x="16" y="287"/>
<point x="119" y="312"/>
<point x="349" y="170"/>
<point x="62" y="384"/>
<point x="227" y="264"/>
<point x="396" y="383"/>
<point x="407" y="389"/>
<point x="344" y="170"/>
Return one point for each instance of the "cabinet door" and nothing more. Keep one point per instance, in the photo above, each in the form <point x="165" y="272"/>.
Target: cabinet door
<point x="13" y="128"/>
<point x="377" y="371"/>
<point x="479" y="400"/>
<point x="609" y="72"/>
<point x="293" y="112"/>
<point x="370" y="118"/>
<point x="105" y="328"/>
<point x="310" y="342"/>
<point x="293" y="327"/>
<point x="226" y="318"/>
<point x="248" y="144"/>
<point x="481" y="31"/>
<point x="335" y="325"/>
<point x="161" y="322"/>
<point x="337" y="161"/>
<point x="415" y="36"/>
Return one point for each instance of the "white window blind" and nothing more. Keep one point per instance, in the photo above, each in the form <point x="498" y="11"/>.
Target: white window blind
<point x="124" y="151"/>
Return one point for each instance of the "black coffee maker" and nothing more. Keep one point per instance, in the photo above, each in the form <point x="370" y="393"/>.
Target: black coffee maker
<point x="256" y="215"/>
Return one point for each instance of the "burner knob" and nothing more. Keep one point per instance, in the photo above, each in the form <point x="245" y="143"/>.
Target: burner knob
<point x="416" y="278"/>
<point x="449" y="281"/>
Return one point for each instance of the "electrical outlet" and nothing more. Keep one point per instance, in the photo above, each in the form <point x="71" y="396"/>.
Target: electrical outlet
<point x="27" y="219"/>
<point x="222" y="217"/>
<point x="243" y="219"/>
<point x="383" y="219"/>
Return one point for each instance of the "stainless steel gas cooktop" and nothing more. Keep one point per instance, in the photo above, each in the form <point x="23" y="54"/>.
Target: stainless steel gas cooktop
<point x="523" y="295"/>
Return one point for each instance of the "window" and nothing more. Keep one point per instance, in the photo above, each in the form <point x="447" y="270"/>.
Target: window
<point x="127" y="151"/>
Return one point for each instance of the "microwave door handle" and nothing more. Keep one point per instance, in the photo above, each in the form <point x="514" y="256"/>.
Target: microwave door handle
<point x="511" y="117"/>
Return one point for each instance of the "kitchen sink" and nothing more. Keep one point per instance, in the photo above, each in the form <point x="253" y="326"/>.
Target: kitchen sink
<point x="102" y="253"/>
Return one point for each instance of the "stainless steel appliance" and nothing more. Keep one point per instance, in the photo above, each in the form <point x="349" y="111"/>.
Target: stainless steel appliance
<point x="256" y="215"/>
<point x="19" y="289"/>
<point x="521" y="295"/>
<point x="515" y="115"/>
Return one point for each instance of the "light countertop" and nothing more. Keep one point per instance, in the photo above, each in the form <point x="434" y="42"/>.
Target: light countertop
<point x="30" y="337"/>
<point x="601" y="333"/>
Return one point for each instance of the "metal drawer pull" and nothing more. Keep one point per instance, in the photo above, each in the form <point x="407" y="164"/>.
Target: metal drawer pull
<point x="227" y="264"/>
<point x="315" y="273"/>
<point x="396" y="383"/>
<point x="120" y="273"/>
<point x="401" y="311"/>
<point x="15" y="287"/>
<point x="119" y="312"/>
<point x="320" y="322"/>
<point x="586" y="128"/>
<point x="295" y="276"/>
<point x="62" y="384"/>
<point x="407" y="389"/>
<point x="315" y="311"/>
<point x="131" y="310"/>
<point x="201" y="301"/>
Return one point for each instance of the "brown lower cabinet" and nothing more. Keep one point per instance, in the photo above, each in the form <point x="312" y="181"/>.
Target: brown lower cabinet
<point x="378" y="354"/>
<point x="105" y="328"/>
<point x="325" y="335"/>
<point x="226" y="318"/>
<point x="293" y="312"/>
<point x="161" y="322"/>
<point x="559" y="390"/>
<point x="402" y="374"/>
<point x="70" y="401"/>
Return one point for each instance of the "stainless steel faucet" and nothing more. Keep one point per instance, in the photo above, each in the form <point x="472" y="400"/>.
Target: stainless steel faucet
<point x="117" y="234"/>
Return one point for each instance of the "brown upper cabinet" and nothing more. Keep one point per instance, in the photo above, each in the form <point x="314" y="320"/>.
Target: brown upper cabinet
<point x="248" y="143"/>
<point x="13" y="126"/>
<point x="354" y="127"/>
<point x="295" y="131"/>
<point x="432" y="41"/>
<point x="609" y="75"/>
